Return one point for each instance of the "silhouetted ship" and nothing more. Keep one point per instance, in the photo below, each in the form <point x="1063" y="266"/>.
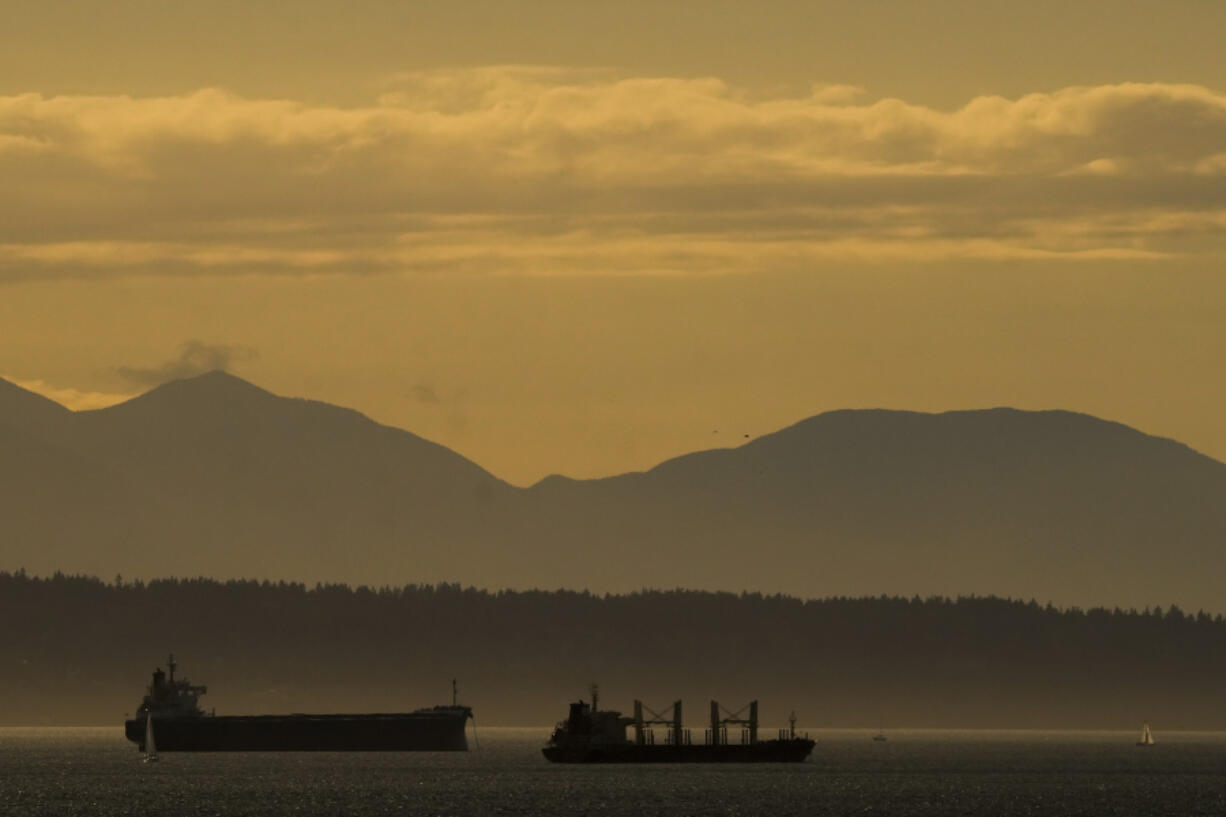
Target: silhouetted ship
<point x="171" y="710"/>
<point x="592" y="735"/>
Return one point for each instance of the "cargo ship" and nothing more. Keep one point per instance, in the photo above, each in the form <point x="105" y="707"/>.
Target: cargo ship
<point x="171" y="714"/>
<point x="592" y="735"/>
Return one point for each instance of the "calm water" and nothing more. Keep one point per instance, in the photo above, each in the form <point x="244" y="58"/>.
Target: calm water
<point x="95" y="772"/>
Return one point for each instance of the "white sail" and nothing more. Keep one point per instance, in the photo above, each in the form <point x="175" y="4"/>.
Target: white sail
<point x="1147" y="737"/>
<point x="151" y="748"/>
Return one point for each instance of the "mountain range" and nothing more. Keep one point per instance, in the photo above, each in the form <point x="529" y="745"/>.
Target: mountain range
<point x="213" y="476"/>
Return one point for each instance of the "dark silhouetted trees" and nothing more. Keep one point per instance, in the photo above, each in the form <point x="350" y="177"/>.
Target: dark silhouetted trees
<point x="78" y="650"/>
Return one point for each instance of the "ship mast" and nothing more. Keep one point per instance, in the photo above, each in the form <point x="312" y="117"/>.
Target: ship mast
<point x="171" y="663"/>
<point x="454" y="692"/>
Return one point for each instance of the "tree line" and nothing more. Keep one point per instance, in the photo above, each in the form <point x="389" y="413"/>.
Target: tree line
<point x="77" y="649"/>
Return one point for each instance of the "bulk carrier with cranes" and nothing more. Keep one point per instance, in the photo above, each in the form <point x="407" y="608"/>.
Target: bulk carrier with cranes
<point x="592" y="735"/>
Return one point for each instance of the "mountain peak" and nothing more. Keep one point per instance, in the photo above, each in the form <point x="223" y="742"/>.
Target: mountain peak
<point x="214" y="393"/>
<point x="215" y="379"/>
<point x="1002" y="421"/>
<point x="213" y="386"/>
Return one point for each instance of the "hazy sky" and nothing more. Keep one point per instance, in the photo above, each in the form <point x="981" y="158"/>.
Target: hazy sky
<point x="584" y="237"/>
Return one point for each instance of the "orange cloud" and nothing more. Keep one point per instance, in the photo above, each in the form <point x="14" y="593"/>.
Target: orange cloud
<point x="544" y="171"/>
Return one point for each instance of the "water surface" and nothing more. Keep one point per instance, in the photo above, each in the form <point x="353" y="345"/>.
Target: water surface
<point x="95" y="772"/>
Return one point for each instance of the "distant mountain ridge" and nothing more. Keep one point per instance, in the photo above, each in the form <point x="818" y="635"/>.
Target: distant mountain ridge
<point x="215" y="476"/>
<point x="212" y="475"/>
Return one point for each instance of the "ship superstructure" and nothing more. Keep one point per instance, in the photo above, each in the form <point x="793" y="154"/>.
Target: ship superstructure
<point x="168" y="697"/>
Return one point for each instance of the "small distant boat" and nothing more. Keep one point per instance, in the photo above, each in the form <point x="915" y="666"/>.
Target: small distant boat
<point x="1147" y="737"/>
<point x="880" y="737"/>
<point x="151" y="747"/>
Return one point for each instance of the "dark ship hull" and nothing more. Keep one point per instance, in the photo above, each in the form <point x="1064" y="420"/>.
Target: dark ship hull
<point x="442" y="729"/>
<point x="793" y="750"/>
<point x="170" y="717"/>
<point x="593" y="735"/>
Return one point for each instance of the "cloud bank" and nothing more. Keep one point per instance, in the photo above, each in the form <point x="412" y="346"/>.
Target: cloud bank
<point x="512" y="170"/>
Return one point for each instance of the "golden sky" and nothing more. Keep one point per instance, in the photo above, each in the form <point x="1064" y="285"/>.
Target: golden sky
<point x="582" y="238"/>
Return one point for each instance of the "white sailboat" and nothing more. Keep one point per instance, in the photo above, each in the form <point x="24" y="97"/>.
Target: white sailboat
<point x="151" y="747"/>
<point x="1147" y="737"/>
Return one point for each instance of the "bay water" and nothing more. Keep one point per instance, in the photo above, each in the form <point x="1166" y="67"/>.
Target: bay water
<point x="94" y="771"/>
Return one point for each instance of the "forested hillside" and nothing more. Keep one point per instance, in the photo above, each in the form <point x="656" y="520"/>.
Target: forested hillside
<point x="77" y="650"/>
